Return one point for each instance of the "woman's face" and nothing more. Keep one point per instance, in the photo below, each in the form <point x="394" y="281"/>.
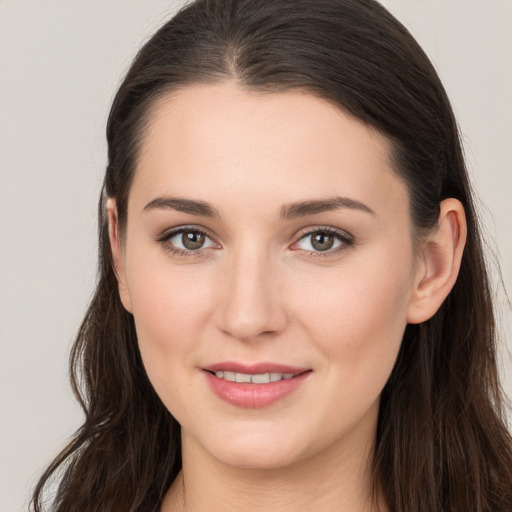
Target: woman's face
<point x="267" y="238"/>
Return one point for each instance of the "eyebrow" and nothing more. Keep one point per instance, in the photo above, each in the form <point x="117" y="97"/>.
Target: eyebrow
<point x="288" y="212"/>
<point x="303" y="208"/>
<point x="191" y="206"/>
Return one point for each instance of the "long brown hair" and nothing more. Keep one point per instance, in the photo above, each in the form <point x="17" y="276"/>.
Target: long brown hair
<point x="442" y="443"/>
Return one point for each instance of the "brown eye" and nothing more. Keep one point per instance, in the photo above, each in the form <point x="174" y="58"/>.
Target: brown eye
<point x="192" y="240"/>
<point x="322" y="241"/>
<point x="325" y="240"/>
<point x="187" y="240"/>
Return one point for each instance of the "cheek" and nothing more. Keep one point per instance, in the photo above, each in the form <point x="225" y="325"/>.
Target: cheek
<point x="357" y="317"/>
<point x="356" y="321"/>
<point x="170" y="306"/>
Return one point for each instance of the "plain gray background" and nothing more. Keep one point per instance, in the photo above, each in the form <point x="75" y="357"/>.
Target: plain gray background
<point x="60" y="64"/>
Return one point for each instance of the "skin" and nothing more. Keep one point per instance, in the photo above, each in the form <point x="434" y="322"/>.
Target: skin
<point x="259" y="291"/>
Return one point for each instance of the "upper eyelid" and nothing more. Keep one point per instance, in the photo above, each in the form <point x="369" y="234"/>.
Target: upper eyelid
<point x="168" y="233"/>
<point x="327" y="229"/>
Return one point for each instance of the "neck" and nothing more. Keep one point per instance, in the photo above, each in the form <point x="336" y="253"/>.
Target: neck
<point x="337" y="479"/>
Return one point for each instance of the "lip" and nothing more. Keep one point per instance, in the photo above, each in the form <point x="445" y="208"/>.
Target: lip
<point x="253" y="368"/>
<point x="254" y="396"/>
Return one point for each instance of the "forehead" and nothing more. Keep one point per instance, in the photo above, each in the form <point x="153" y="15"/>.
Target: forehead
<point x="221" y="142"/>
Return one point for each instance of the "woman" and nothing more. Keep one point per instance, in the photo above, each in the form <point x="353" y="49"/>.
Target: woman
<point x="293" y="311"/>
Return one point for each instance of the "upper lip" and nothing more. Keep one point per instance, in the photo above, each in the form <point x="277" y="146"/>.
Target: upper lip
<point x="254" y="368"/>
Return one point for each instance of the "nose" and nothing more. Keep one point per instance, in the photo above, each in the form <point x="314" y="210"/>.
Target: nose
<point x="251" y="306"/>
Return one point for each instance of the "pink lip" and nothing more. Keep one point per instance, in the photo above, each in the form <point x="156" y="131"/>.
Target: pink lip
<point x="252" y="396"/>
<point x="255" y="368"/>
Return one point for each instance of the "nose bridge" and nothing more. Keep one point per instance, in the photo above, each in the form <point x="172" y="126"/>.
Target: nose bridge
<point x="252" y="303"/>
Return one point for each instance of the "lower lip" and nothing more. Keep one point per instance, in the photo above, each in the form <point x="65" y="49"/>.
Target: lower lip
<point x="253" y="396"/>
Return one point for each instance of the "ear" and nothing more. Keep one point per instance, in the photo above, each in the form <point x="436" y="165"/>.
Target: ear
<point x="117" y="253"/>
<point x="438" y="262"/>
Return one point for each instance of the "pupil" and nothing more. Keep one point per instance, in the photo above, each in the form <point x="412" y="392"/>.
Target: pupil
<point x="322" y="241"/>
<point x="192" y="239"/>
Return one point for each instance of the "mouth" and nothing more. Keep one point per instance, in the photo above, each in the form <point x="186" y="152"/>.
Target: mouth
<point x="255" y="378"/>
<point x="254" y="386"/>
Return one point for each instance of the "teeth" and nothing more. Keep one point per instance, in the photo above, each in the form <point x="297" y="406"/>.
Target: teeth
<point x="229" y="376"/>
<point x="242" y="377"/>
<point x="260" y="378"/>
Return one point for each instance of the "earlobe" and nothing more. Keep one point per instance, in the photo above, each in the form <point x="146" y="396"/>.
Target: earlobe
<point x="117" y="255"/>
<point x="439" y="262"/>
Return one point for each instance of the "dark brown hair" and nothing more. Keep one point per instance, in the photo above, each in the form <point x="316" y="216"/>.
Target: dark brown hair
<point x="442" y="444"/>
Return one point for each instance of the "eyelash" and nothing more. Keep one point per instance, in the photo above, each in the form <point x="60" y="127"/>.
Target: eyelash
<point x="166" y="237"/>
<point x="346" y="241"/>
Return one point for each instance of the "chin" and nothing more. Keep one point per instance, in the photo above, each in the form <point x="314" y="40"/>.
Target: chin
<point x="257" y="459"/>
<point x="262" y="449"/>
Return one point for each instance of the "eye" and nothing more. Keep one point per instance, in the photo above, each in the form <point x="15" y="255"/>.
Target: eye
<point x="184" y="241"/>
<point x="326" y="240"/>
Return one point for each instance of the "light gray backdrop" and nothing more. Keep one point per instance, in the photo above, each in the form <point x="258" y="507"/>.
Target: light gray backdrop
<point x="60" y="64"/>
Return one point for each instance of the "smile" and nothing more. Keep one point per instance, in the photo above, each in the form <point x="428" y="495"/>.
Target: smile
<point x="254" y="386"/>
<point x="259" y="378"/>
